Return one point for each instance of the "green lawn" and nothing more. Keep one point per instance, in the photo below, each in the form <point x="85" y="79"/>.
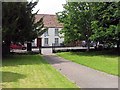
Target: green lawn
<point x="31" y="71"/>
<point x="95" y="60"/>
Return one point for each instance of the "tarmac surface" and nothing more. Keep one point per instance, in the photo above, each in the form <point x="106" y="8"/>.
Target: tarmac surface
<point x="82" y="76"/>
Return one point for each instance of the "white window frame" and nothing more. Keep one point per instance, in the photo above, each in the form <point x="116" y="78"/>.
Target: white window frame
<point x="46" y="41"/>
<point x="56" y="41"/>
<point x="56" y="32"/>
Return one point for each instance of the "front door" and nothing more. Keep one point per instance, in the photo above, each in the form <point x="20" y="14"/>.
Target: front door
<point x="39" y="42"/>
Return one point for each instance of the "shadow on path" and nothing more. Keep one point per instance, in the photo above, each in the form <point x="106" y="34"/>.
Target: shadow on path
<point x="54" y="60"/>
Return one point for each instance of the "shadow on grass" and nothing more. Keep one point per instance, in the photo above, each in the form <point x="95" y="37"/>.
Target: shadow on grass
<point x="16" y="60"/>
<point x="96" y="53"/>
<point x="11" y="77"/>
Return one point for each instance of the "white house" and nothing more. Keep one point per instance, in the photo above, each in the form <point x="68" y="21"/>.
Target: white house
<point x="52" y="35"/>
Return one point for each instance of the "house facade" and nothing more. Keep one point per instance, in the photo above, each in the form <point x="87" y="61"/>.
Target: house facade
<point x="52" y="35"/>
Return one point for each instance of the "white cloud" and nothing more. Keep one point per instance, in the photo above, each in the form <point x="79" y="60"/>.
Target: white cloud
<point x="49" y="6"/>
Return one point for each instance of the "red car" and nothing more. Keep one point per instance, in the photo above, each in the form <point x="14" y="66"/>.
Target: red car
<point x="17" y="46"/>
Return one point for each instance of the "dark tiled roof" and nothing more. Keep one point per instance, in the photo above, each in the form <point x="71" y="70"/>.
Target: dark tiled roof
<point x="49" y="20"/>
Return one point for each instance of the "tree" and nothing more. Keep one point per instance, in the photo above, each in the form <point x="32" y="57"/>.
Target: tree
<point x="19" y="23"/>
<point x="106" y="23"/>
<point x="35" y="28"/>
<point x="91" y="21"/>
<point x="76" y="19"/>
<point x="9" y="23"/>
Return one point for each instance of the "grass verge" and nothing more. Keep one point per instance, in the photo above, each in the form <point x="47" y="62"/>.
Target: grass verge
<point x="31" y="71"/>
<point x="95" y="60"/>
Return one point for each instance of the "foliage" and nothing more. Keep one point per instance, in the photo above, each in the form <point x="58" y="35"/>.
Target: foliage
<point x="106" y="26"/>
<point x="19" y="23"/>
<point x="76" y="20"/>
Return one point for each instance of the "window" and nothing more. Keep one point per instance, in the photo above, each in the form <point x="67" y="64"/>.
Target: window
<point x="46" y="41"/>
<point x="46" y="33"/>
<point x="56" y="32"/>
<point x="56" y="41"/>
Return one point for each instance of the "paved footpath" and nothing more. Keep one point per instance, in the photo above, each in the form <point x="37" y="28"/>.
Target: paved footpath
<point x="83" y="76"/>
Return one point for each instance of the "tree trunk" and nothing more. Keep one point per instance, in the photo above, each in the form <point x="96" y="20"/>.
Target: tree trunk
<point x="88" y="45"/>
<point x="96" y="45"/>
<point x="40" y="49"/>
<point x="118" y="45"/>
<point x="5" y="48"/>
<point x="29" y="46"/>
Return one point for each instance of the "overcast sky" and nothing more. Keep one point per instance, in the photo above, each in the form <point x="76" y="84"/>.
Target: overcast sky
<point x="49" y="6"/>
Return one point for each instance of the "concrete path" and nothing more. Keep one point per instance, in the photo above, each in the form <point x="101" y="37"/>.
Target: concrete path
<point x="83" y="76"/>
<point x="46" y="51"/>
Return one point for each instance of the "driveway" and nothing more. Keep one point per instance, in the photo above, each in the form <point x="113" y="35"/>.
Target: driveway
<point x="83" y="76"/>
